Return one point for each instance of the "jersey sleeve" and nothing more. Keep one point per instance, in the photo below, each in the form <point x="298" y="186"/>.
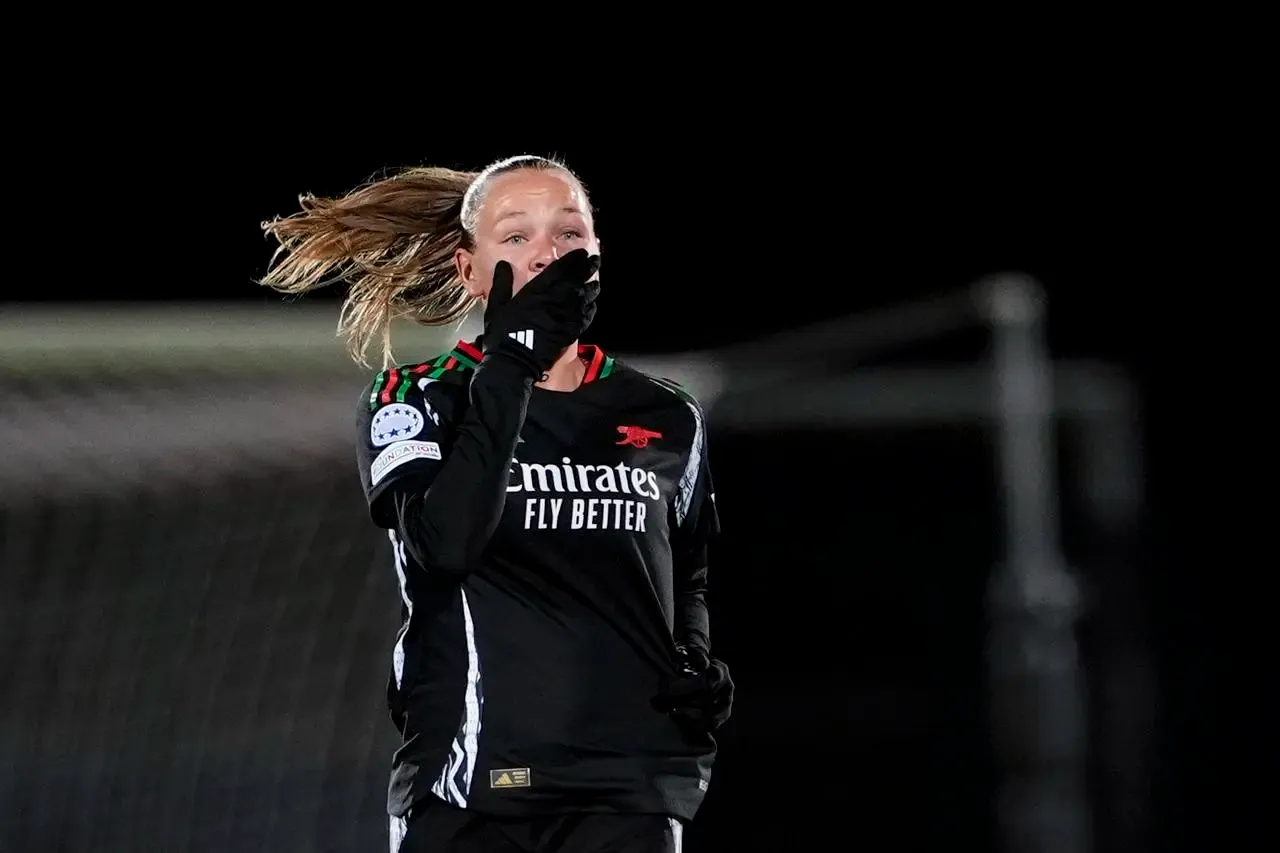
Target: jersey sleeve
<point x="697" y="518"/>
<point x="402" y="436"/>
<point x="435" y="455"/>
<point x="697" y="523"/>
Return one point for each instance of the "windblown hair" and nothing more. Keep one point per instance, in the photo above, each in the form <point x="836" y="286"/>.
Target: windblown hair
<point x="393" y="242"/>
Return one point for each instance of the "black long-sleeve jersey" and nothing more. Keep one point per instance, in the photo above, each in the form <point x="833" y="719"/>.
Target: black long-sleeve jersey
<point x="551" y="554"/>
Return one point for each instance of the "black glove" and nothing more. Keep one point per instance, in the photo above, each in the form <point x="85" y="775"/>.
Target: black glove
<point x="550" y="312"/>
<point x="702" y="695"/>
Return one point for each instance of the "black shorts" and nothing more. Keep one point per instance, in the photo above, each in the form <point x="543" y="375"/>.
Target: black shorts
<point x="437" y="827"/>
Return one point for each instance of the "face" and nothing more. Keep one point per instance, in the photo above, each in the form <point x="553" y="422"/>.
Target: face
<point x="527" y="218"/>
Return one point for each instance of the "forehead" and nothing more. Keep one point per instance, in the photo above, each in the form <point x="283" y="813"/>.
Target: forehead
<point x="530" y="190"/>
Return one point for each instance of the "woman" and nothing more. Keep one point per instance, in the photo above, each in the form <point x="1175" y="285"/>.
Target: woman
<point x="549" y="509"/>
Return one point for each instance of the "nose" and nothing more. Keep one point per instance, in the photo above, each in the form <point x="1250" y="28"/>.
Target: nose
<point x="543" y="256"/>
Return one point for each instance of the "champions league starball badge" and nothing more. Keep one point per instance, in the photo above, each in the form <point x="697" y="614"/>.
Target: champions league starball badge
<point x="395" y="422"/>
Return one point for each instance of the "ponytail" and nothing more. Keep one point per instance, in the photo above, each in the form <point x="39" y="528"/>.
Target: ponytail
<point x="392" y="241"/>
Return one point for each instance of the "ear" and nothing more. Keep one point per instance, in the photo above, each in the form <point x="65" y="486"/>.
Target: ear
<point x="464" y="262"/>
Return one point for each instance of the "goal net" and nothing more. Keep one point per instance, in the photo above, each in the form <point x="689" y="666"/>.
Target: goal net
<point x="196" y="616"/>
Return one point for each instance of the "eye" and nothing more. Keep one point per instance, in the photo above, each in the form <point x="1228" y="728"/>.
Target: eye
<point x="572" y="234"/>
<point x="514" y="238"/>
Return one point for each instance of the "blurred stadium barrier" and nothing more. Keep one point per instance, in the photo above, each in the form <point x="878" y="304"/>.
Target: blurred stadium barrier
<point x="196" y="616"/>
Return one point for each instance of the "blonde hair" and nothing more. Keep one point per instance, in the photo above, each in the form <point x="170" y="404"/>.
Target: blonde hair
<point x="393" y="242"/>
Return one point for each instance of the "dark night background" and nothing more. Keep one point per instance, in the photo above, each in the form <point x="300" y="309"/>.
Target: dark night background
<point x="713" y="236"/>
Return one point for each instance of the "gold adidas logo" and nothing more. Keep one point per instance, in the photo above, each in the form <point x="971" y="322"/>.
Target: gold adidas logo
<point x="509" y="777"/>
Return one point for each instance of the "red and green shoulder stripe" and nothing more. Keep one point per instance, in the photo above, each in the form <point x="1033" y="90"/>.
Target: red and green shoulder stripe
<point x="391" y="386"/>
